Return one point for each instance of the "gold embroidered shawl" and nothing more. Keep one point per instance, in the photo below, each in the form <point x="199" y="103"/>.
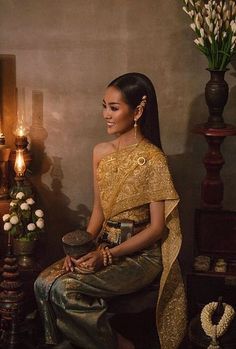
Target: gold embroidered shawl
<point x="128" y="180"/>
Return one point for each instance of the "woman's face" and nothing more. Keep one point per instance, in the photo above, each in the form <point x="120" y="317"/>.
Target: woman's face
<point x="117" y="113"/>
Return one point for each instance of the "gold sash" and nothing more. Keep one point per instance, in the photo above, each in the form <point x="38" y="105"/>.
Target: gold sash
<point x="128" y="180"/>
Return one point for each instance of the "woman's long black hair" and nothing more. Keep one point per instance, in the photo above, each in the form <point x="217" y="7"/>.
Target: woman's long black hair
<point x="133" y="87"/>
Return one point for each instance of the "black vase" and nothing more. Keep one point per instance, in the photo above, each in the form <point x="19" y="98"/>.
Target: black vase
<point x="216" y="94"/>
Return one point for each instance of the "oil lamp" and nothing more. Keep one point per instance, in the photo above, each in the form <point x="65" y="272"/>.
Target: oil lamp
<point x="19" y="166"/>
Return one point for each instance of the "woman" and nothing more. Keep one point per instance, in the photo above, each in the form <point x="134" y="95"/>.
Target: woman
<point x="134" y="200"/>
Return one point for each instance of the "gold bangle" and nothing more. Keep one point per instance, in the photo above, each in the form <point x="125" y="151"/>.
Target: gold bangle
<point x="105" y="257"/>
<point x="109" y="255"/>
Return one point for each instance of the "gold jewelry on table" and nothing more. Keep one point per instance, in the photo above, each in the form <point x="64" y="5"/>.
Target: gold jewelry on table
<point x="202" y="263"/>
<point x="216" y="331"/>
<point x="220" y="266"/>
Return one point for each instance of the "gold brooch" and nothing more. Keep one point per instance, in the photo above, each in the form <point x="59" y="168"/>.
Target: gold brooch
<point x="141" y="161"/>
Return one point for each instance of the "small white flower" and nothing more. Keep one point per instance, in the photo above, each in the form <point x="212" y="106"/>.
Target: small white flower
<point x="211" y="27"/>
<point x="20" y="195"/>
<point x="12" y="203"/>
<point x="202" y="32"/>
<point x="14" y="220"/>
<point x="208" y="21"/>
<point x="6" y="217"/>
<point x="24" y="206"/>
<point x="185" y="10"/>
<point x="31" y="226"/>
<point x="193" y="26"/>
<point x="40" y="223"/>
<point x="7" y="226"/>
<point x="197" y="22"/>
<point x="39" y="213"/>
<point x="30" y="201"/>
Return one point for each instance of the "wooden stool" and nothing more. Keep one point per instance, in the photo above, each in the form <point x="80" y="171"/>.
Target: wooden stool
<point x="134" y="316"/>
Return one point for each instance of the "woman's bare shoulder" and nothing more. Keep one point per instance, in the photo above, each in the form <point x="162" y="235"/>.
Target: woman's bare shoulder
<point x="102" y="149"/>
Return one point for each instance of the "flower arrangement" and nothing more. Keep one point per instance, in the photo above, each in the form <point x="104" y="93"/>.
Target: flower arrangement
<point x="214" y="23"/>
<point x="24" y="221"/>
<point x="216" y="331"/>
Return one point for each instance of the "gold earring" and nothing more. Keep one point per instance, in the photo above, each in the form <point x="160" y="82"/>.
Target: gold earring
<point x="135" y="128"/>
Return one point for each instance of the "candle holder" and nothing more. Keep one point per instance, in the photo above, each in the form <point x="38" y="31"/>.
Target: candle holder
<point x="20" y="159"/>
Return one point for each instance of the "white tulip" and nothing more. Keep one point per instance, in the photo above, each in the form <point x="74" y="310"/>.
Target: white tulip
<point x="14" y="220"/>
<point x="20" y="195"/>
<point x="24" y="206"/>
<point x="40" y="223"/>
<point x="197" y="22"/>
<point x="210" y="39"/>
<point x="31" y="226"/>
<point x="216" y="30"/>
<point x="213" y="15"/>
<point x="191" y="13"/>
<point x="7" y="226"/>
<point x="233" y="39"/>
<point x="202" y="32"/>
<point x="39" y="213"/>
<point x="233" y="26"/>
<point x="208" y="21"/>
<point x="211" y="28"/>
<point x="12" y="203"/>
<point x="185" y="10"/>
<point x="6" y="217"/>
<point x="30" y="201"/>
<point x="193" y="26"/>
<point x="201" y="42"/>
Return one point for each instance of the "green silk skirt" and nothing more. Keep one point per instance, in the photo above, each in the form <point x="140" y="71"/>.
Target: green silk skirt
<point x="74" y="304"/>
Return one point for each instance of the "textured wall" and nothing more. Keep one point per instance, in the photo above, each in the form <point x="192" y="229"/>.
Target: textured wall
<point x="66" y="53"/>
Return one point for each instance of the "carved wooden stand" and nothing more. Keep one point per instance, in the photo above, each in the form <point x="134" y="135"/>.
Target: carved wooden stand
<point x="212" y="187"/>
<point x="11" y="302"/>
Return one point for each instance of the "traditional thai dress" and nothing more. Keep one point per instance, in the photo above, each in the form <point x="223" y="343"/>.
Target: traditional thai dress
<point x="75" y="304"/>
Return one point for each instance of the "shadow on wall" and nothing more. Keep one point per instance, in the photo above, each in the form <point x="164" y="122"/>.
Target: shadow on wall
<point x="188" y="170"/>
<point x="59" y="218"/>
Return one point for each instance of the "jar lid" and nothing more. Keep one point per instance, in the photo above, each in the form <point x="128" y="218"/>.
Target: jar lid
<point x="77" y="238"/>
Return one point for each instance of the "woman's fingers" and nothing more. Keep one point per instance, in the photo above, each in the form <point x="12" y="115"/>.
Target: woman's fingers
<point x="68" y="266"/>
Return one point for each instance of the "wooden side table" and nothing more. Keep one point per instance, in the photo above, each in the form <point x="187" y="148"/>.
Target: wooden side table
<point x="206" y="287"/>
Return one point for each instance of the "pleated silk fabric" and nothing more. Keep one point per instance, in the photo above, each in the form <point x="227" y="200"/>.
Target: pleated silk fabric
<point x="75" y="304"/>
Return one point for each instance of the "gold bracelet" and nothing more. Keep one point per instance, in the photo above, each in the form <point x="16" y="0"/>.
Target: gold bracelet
<point x="105" y="257"/>
<point x="109" y="255"/>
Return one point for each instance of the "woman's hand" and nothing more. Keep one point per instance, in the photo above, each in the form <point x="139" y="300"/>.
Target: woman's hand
<point x="91" y="261"/>
<point x="68" y="264"/>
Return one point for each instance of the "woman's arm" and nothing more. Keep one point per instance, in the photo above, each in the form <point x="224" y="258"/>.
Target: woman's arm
<point x="136" y="243"/>
<point x="145" y="237"/>
<point x="97" y="217"/>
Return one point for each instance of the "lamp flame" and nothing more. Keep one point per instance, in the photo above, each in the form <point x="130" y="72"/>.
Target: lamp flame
<point x="19" y="166"/>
